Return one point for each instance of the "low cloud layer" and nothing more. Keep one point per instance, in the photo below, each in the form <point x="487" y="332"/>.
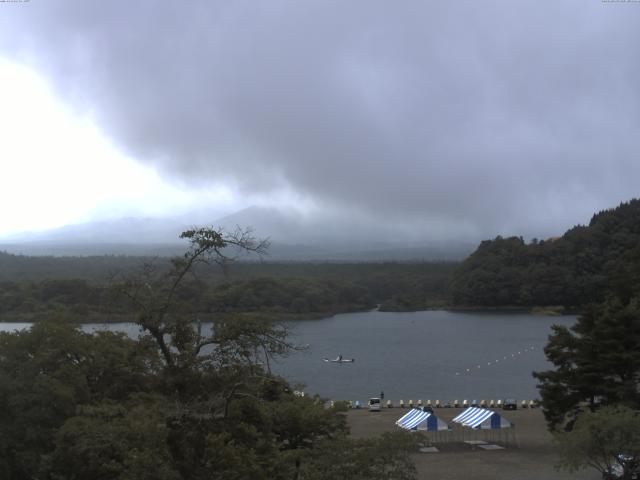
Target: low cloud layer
<point x="463" y="117"/>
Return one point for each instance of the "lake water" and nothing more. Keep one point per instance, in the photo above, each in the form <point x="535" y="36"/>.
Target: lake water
<point x="416" y="355"/>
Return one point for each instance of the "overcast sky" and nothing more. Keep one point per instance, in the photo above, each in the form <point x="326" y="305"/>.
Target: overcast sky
<point x="445" y="119"/>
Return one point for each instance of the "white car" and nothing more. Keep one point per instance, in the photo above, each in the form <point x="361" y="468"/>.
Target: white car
<point x="375" y="404"/>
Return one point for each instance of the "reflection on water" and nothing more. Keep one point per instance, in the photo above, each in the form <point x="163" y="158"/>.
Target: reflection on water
<point x="415" y="355"/>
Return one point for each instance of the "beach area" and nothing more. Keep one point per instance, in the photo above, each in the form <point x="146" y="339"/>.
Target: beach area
<point x="531" y="456"/>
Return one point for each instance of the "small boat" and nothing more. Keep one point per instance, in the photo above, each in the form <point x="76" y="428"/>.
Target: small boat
<point x="339" y="359"/>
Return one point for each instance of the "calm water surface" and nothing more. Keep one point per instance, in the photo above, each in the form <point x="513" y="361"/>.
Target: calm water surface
<point x="427" y="355"/>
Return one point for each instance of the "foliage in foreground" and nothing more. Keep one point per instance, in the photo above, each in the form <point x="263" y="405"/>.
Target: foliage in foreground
<point x="177" y="403"/>
<point x="597" y="363"/>
<point x="385" y="457"/>
<point x="607" y="440"/>
<point x="75" y="405"/>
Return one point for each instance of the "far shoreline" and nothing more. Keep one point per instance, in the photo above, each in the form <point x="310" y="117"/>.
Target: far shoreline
<point x="96" y="318"/>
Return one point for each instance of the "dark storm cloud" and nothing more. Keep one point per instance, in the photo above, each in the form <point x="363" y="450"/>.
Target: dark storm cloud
<point x="493" y="117"/>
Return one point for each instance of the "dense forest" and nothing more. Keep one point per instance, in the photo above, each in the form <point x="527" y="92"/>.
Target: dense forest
<point x="571" y="271"/>
<point x="567" y="272"/>
<point x="591" y="394"/>
<point x="178" y="404"/>
<point x="175" y="403"/>
<point x="34" y="288"/>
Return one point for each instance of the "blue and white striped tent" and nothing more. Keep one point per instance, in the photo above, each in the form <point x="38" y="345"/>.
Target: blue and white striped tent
<point x="419" y="420"/>
<point x="481" y="418"/>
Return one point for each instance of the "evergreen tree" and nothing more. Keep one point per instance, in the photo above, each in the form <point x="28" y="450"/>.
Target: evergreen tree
<point x="597" y="362"/>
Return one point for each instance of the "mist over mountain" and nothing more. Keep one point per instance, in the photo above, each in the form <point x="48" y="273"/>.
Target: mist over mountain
<point x="292" y="235"/>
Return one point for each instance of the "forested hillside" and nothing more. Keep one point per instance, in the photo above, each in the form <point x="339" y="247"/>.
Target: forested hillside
<point x="579" y="268"/>
<point x="33" y="288"/>
<point x="569" y="271"/>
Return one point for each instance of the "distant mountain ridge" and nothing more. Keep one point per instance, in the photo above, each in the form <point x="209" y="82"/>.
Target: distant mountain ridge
<point x="293" y="237"/>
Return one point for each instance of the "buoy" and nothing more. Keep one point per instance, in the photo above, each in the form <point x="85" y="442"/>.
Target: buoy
<point x="389" y="404"/>
<point x="438" y="404"/>
<point x="401" y="403"/>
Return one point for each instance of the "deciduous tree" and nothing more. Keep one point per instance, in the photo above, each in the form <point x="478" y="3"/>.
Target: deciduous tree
<point x="607" y="440"/>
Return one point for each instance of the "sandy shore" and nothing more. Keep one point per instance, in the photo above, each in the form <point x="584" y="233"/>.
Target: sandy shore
<point x="531" y="457"/>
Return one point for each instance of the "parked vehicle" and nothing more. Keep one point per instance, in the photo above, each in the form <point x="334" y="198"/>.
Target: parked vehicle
<point x="510" y="404"/>
<point x="617" y="470"/>
<point x="375" y="404"/>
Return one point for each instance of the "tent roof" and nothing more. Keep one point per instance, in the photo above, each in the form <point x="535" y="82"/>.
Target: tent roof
<point x="419" y="420"/>
<point x="475" y="417"/>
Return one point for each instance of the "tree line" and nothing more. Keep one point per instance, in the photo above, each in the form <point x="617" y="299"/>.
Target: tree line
<point x="572" y="271"/>
<point x="176" y="403"/>
<point x="182" y="403"/>
<point x="277" y="290"/>
<point x="591" y="395"/>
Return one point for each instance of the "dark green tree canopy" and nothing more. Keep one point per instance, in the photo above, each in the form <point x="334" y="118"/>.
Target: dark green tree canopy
<point x="597" y="362"/>
<point x="183" y="401"/>
<point x="607" y="440"/>
<point x="574" y="270"/>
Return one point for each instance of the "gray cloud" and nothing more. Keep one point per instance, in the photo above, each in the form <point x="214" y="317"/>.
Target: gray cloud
<point x="490" y="117"/>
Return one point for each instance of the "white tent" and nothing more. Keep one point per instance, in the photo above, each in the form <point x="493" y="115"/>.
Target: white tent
<point x="418" y="420"/>
<point x="481" y="418"/>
